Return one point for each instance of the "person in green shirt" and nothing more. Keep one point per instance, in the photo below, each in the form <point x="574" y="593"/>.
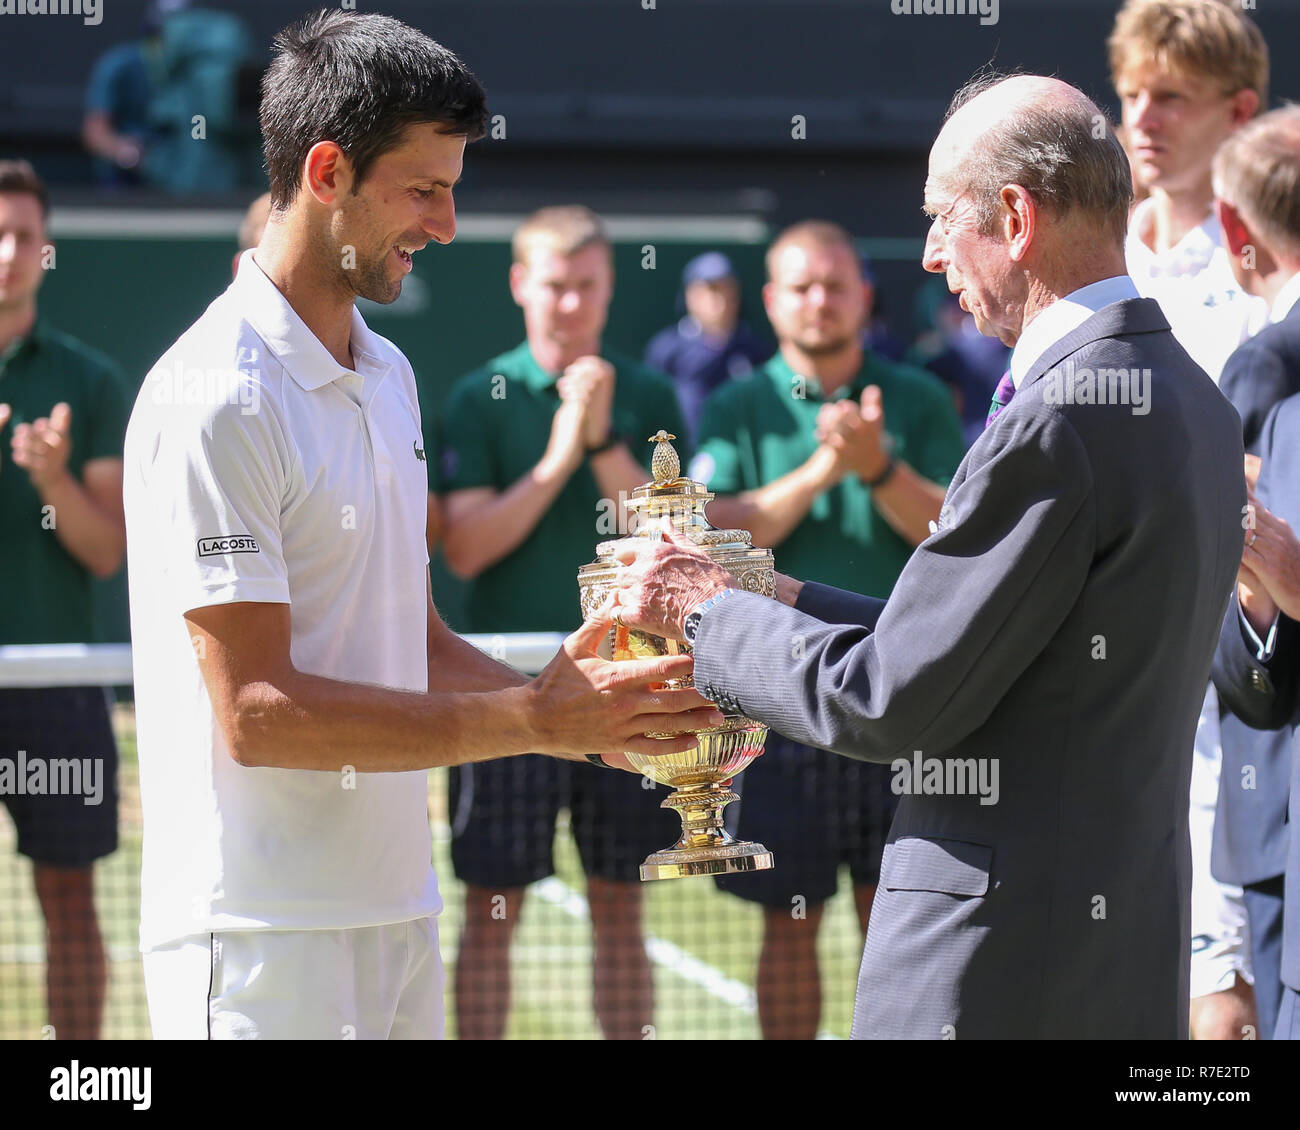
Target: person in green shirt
<point x="63" y="411"/>
<point x="539" y="449"/>
<point x="838" y="460"/>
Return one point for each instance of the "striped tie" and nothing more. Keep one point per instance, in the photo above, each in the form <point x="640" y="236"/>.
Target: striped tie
<point x="1001" y="397"/>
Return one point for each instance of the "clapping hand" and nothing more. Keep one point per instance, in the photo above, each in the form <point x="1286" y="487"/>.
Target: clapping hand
<point x="1270" y="560"/>
<point x="590" y="381"/>
<point x="855" y="431"/>
<point x="42" y="448"/>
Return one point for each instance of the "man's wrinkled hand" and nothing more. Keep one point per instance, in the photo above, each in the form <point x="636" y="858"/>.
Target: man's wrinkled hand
<point x="659" y="582"/>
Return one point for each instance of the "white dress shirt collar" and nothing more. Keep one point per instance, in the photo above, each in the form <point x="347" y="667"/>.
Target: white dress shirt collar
<point x="1286" y="298"/>
<point x="1064" y="316"/>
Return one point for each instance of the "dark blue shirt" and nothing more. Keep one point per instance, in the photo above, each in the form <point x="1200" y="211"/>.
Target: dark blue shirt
<point x="699" y="364"/>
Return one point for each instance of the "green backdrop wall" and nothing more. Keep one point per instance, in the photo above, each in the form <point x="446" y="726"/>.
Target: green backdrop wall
<point x="130" y="284"/>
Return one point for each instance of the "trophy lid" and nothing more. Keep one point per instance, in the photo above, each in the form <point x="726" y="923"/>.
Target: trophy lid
<point x="681" y="500"/>
<point x="669" y="490"/>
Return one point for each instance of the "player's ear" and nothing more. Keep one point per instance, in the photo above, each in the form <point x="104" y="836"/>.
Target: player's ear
<point x="327" y="173"/>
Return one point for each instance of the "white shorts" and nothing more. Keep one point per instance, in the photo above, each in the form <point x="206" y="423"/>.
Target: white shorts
<point x="368" y="983"/>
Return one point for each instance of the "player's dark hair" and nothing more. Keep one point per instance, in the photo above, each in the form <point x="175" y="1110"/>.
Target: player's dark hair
<point x="19" y="176"/>
<point x="358" y="80"/>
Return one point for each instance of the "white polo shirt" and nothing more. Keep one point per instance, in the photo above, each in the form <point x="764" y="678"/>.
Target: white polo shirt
<point x="1207" y="310"/>
<point x="258" y="469"/>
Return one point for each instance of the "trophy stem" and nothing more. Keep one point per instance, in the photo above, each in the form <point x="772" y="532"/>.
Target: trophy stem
<point x="705" y="847"/>
<point x="700" y="808"/>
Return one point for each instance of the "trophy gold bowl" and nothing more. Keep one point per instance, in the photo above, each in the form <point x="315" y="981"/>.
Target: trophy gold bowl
<point x="698" y="776"/>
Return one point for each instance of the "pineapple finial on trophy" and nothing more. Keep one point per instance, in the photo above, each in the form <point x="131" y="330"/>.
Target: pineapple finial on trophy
<point x="665" y="464"/>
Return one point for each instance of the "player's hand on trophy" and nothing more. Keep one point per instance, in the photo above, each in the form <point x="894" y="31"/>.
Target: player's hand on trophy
<point x="591" y="380"/>
<point x="584" y="704"/>
<point x="660" y="581"/>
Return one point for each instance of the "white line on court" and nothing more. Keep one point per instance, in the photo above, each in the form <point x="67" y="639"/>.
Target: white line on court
<point x="557" y="893"/>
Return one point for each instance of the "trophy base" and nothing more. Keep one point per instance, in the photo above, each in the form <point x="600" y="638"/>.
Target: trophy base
<point x="728" y="859"/>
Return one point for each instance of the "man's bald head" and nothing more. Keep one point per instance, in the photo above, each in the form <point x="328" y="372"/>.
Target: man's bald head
<point x="1042" y="134"/>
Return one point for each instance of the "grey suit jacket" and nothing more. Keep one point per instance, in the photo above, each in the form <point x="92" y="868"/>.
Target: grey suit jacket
<point x="1060" y="623"/>
<point x="1266" y="693"/>
<point x="1251" y="834"/>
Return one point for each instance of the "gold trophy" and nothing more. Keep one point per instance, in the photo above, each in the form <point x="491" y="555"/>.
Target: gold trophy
<point x="696" y="776"/>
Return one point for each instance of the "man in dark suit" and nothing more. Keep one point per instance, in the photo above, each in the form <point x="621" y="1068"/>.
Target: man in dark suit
<point x="1255" y="176"/>
<point x="1256" y="173"/>
<point x="1036" y="675"/>
<point x="1257" y="666"/>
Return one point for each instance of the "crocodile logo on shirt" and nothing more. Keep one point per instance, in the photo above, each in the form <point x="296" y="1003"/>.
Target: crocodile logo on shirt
<point x="419" y="451"/>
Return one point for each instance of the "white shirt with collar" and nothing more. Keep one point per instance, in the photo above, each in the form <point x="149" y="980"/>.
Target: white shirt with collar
<point x="1285" y="299"/>
<point x="1193" y="282"/>
<point x="259" y="469"/>
<point x="1063" y="317"/>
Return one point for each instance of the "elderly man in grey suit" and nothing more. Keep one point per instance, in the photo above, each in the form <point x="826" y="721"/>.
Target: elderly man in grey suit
<point x="1037" y="673"/>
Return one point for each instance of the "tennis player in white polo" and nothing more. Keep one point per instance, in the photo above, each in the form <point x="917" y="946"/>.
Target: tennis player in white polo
<point x="293" y="679"/>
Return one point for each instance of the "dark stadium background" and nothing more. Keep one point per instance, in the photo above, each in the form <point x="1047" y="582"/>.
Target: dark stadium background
<point x="681" y="110"/>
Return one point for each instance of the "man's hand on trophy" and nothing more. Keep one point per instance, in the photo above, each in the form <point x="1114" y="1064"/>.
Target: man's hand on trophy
<point x="660" y="582"/>
<point x="583" y="704"/>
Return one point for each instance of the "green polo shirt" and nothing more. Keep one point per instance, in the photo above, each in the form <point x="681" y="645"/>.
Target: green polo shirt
<point x="755" y="430"/>
<point x="494" y="430"/>
<point x="48" y="594"/>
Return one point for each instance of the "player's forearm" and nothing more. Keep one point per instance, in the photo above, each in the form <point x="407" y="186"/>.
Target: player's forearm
<point x="96" y="538"/>
<point x="909" y="503"/>
<point x="472" y="542"/>
<point x="455" y="665"/>
<point x="308" y="722"/>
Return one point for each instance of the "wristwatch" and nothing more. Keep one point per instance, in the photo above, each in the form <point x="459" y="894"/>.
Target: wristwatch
<point x="691" y="625"/>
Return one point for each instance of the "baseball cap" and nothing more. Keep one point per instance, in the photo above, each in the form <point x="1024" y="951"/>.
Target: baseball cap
<point x="709" y="267"/>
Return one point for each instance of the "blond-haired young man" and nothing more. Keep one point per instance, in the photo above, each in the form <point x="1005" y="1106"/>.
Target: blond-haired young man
<point x="1189" y="73"/>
